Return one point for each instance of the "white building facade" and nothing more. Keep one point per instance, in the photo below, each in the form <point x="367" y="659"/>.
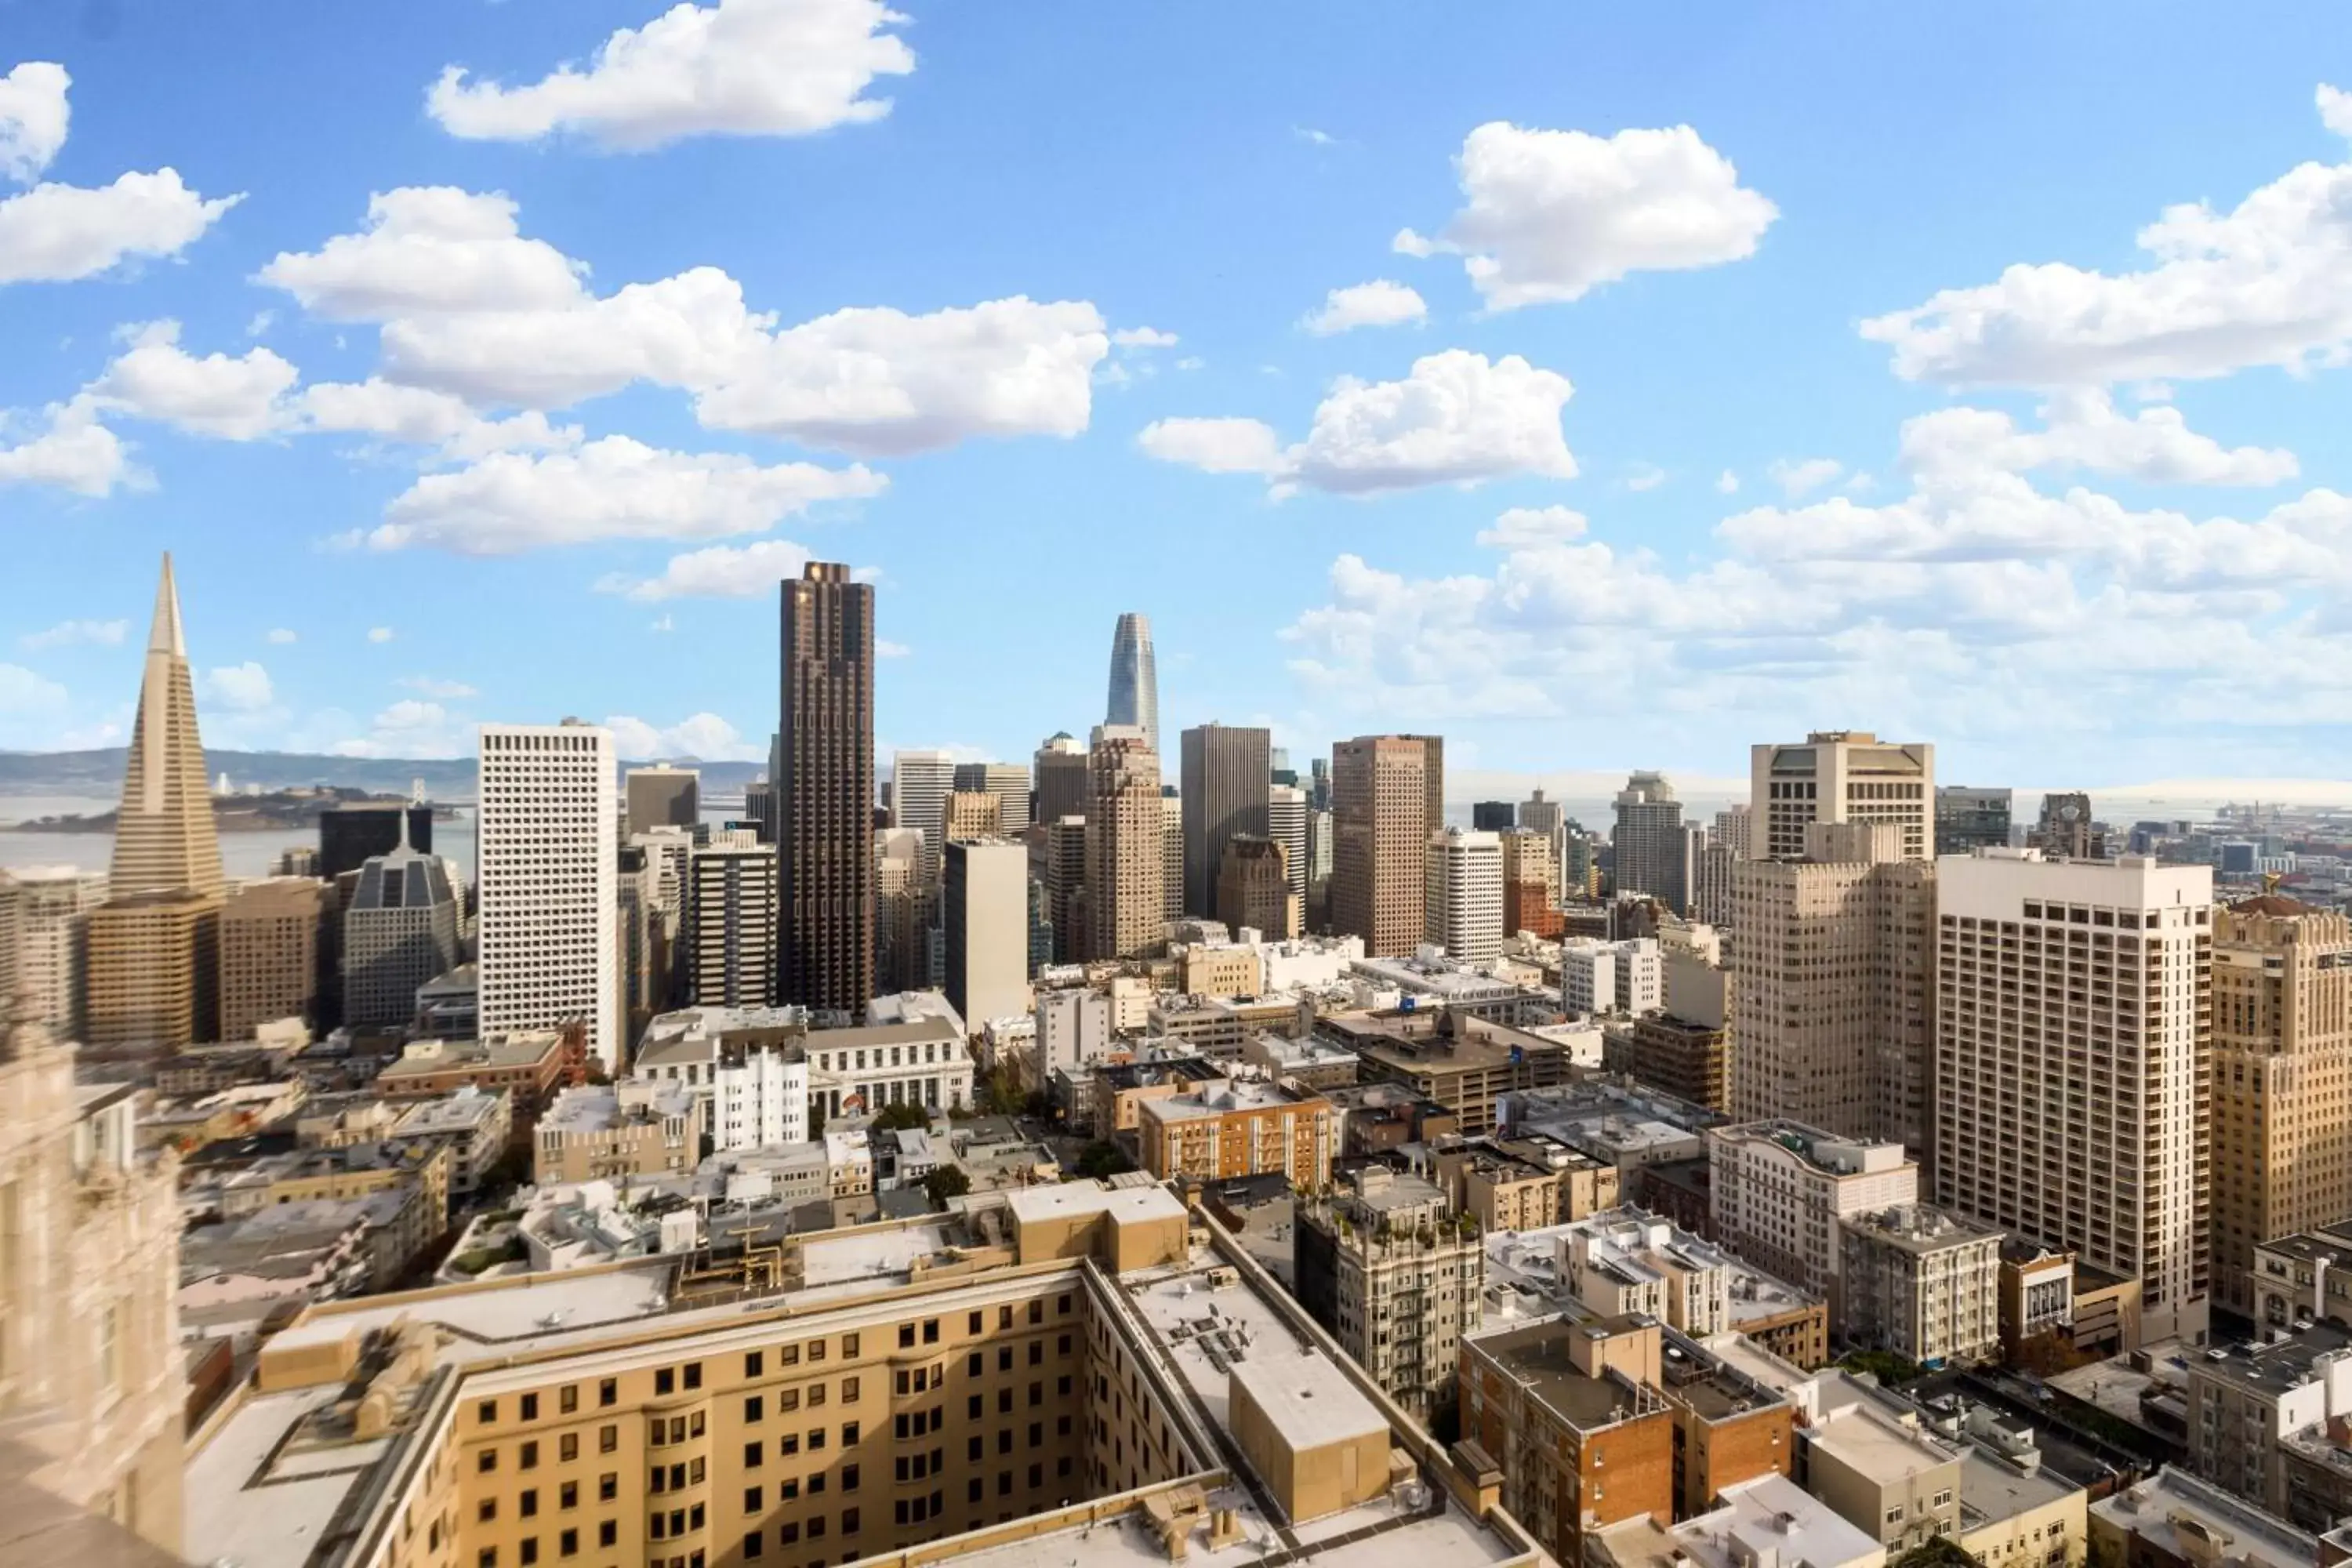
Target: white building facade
<point x="547" y="849"/>
<point x="760" y="1098"/>
<point x="1461" y="895"/>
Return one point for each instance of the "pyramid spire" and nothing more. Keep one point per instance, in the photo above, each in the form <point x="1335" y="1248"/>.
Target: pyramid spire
<point x="164" y="839"/>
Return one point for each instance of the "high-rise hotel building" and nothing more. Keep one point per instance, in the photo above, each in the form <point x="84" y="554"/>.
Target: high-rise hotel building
<point x="1127" y="836"/>
<point x="825" y="871"/>
<point x="1839" y="775"/>
<point x="1381" y="824"/>
<point x="546" y="847"/>
<point x="2072" y="1046"/>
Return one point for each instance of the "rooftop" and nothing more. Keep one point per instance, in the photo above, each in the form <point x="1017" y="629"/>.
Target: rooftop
<point x="1921" y="1228"/>
<point x="422" y="1058"/>
<point x="2188" y="1520"/>
<point x="1228" y="1096"/>
<point x="1538" y="1355"/>
<point x="1771" y="1519"/>
<point x="2273" y="1369"/>
<point x="462" y="1112"/>
<point x="1824" y="1151"/>
<point x="1876" y="1442"/>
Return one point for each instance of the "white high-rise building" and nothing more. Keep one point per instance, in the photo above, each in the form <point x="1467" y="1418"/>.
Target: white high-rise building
<point x="2073" y="1035"/>
<point x="1839" y="775"/>
<point x="1461" y="901"/>
<point x="920" y="783"/>
<point x="547" y="848"/>
<point x="984" y="915"/>
<point x="731" y="951"/>
<point x="1285" y="812"/>
<point x="44" y="912"/>
<point x="1628" y="976"/>
<point x="759" y="1098"/>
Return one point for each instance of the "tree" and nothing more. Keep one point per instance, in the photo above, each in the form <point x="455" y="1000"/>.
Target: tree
<point x="901" y="1116"/>
<point x="1101" y="1158"/>
<point x="1941" y="1552"/>
<point x="1891" y="1370"/>
<point x="947" y="1182"/>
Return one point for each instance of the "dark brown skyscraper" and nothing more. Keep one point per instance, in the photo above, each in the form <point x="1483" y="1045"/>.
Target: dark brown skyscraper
<point x="824" y="792"/>
<point x="1226" y="783"/>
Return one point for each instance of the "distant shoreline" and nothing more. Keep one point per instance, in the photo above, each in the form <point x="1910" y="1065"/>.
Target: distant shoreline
<point x="243" y="813"/>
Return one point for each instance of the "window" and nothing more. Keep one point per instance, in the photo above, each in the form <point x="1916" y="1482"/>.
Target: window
<point x="905" y="1336"/>
<point x="1036" y="1353"/>
<point x="487" y="1557"/>
<point x="1895" y="1516"/>
<point x="693" y="1426"/>
<point x="1004" y="1358"/>
<point x="531" y="1407"/>
<point x="486" y="1412"/>
<point x="608" y="1392"/>
<point x="848" y="1347"/>
<point x="788" y="1399"/>
<point x="849" y="1391"/>
<point x="568" y="1544"/>
<point x="487" y="1509"/>
<point x="973" y="1327"/>
<point x="485" y="1461"/>
<point x="973" y="1364"/>
<point x="849" y="1433"/>
<point x="1004" y="1483"/>
<point x="754" y="1545"/>
<point x="930" y="1330"/>
<point x="1004" y="1402"/>
<point x="1061" y="1384"/>
<point x="1004" y="1441"/>
<point x="1062" y="1466"/>
<point x="608" y="1439"/>
<point x="972" y="1408"/>
<point x="608" y="1532"/>
<point x="608" y="1486"/>
<point x="567" y="1399"/>
<point x="529" y="1455"/>
<point x="665" y="1381"/>
<point x="753" y="1364"/>
<point x="1062" y="1304"/>
<point x="529" y="1549"/>
<point x="567" y="1447"/>
<point x="694" y="1517"/>
<point x="755" y="1409"/>
<point x="787" y="1490"/>
<point x="1062" y="1425"/>
<point x="973" y="1490"/>
<point x="1036" y="1433"/>
<point x="1004" y="1317"/>
<point x="973" y="1448"/>
<point x="1062" y="1346"/>
<point x="1036" y="1475"/>
<point x="1038" y="1312"/>
<point x="751" y="1456"/>
<point x="815" y="1439"/>
<point x="788" y="1532"/>
<point x="569" y="1495"/>
<point x="789" y="1445"/>
<point x="849" y="1478"/>
<point x="694" y="1374"/>
<point x="752" y="1500"/>
<point x="815" y="1395"/>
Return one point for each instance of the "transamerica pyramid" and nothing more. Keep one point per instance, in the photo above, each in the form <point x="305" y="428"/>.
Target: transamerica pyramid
<point x="164" y="840"/>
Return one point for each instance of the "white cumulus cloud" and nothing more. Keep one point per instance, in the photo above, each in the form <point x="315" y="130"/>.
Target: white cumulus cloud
<point x="1526" y="527"/>
<point x="379" y="634"/>
<point x="411" y="727"/>
<point x="1382" y="302"/>
<point x="2265" y="283"/>
<point x="738" y="67"/>
<point x="705" y="737"/>
<point x="1143" y="337"/>
<point x="54" y="233"/>
<point x="614" y="488"/>
<point x="242" y="688"/>
<point x="66" y="634"/>
<point x="1548" y="215"/>
<point x="2083" y="429"/>
<point x="236" y="399"/>
<point x="721" y="571"/>
<point x="75" y="452"/>
<point x="1802" y="476"/>
<point x="33" y="118"/>
<point x="1456" y="418"/>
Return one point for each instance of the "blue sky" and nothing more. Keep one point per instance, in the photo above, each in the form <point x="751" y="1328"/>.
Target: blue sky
<point x="905" y="284"/>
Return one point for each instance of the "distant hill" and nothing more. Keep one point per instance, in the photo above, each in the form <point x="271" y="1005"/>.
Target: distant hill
<point x="99" y="773"/>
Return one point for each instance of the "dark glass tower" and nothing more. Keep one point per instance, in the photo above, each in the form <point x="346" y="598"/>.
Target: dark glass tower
<point x="1134" y="680"/>
<point x="824" y="792"/>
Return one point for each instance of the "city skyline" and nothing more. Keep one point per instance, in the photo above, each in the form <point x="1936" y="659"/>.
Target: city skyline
<point x="1727" y="520"/>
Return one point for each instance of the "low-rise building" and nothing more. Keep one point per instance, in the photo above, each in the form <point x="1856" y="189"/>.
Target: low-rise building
<point x="531" y="1066"/>
<point x="2295" y="1279"/>
<point x="1238" y="1128"/>
<point x="1395" y="1272"/>
<point x="920" y="1061"/>
<point x="1219" y="1027"/>
<point x="1381" y="1118"/>
<point x="624" y="1130"/>
<point x="478" y="1125"/>
<point x="2037" y="1292"/>
<point x="1921" y="1282"/>
<point x="313" y="1249"/>
<point x="2172" y="1520"/>
<point x="1691" y="1061"/>
<point x="2272" y="1422"/>
<point x="1780" y="1188"/>
<point x="1879" y="1467"/>
<point x="1118" y="1089"/>
<point x="1308" y="1062"/>
<point x="1465" y="1064"/>
<point x="413" y="1180"/>
<point x="2016" y="1511"/>
<point x="1769" y="1521"/>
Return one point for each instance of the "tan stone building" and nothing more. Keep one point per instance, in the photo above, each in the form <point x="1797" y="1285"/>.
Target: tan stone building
<point x="1922" y="1283"/>
<point x="631" y="1128"/>
<point x="1254" y="889"/>
<point x="91" y="1393"/>
<point x="974" y="813"/>
<point x="1689" y="1060"/>
<point x="1832" y="991"/>
<point x="1463" y="1063"/>
<point x="1840" y="776"/>
<point x="2282" y="1081"/>
<point x="1396" y="1273"/>
<point x="1126" y="834"/>
<point x="270" y="953"/>
<point x="1530" y="884"/>
<point x="1382" y="817"/>
<point x="153" y="969"/>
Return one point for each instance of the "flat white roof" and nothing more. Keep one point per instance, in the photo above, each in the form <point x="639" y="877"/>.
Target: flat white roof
<point x="1065" y="1200"/>
<point x="1311" y="1401"/>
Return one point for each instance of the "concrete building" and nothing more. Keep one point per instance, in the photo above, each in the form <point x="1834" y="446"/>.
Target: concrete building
<point x="1840" y="775"/>
<point x="1381" y="826"/>
<point x="1287" y="823"/>
<point x="2272" y="1422"/>
<point x="1921" y="1283"/>
<point x="1625" y="977"/>
<point x="1465" y="1064"/>
<point x="531" y="1066"/>
<point x="152" y="958"/>
<point x="661" y="796"/>
<point x="1530" y="884"/>
<point x="1832" y="989"/>
<point x="2281" y="1079"/>
<point x="1126" y="834"/>
<point x="920" y="783"/>
<point x="1255" y="892"/>
<point x="1781" y="1190"/>
<point x="1968" y="818"/>
<point x="1462" y="897"/>
<point x="1225" y="787"/>
<point x="545" y="842"/>
<point x="1058" y="778"/>
<point x="1239" y="1129"/>
<point x="1008" y="782"/>
<point x="1689" y="1060"/>
<point x="824" y="775"/>
<point x="920" y="1061"/>
<point x="46" y="910"/>
<point x="1133" y="697"/>
<point x="1396" y="1274"/>
<point x="984" y="908"/>
<point x="630" y="1129"/>
<point x="269" y="954"/>
<point x="1074" y="1030"/>
<point x="2074" y="1035"/>
<point x="2172" y="1520"/>
<point x="399" y="931"/>
<point x="352" y="835"/>
<point x="1171" y="854"/>
<point x="478" y="1126"/>
<point x="974" y="813"/>
<point x="1770" y="1520"/>
<point x="1884" y="1472"/>
<point x="730" y="926"/>
<point x="1651" y="848"/>
<point x="90" y="1364"/>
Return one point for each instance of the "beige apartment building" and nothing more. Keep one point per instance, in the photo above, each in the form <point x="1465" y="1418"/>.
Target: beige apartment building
<point x="1382" y="817"/>
<point x="1236" y="1129"/>
<point x="1922" y="1283"/>
<point x="974" y="813"/>
<point x="270" y="953"/>
<point x="2282" y="1081"/>
<point x="1831" y="986"/>
<point x="1884" y="1473"/>
<point x="1779" y="1191"/>
<point x="1840" y="775"/>
<point x="609" y="1133"/>
<point x="2074" y="1032"/>
<point x="1126" y="830"/>
<point x="1463" y="1063"/>
<point x="1397" y="1274"/>
<point x="91" y="1392"/>
<point x="1254" y="889"/>
<point x="153" y="969"/>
